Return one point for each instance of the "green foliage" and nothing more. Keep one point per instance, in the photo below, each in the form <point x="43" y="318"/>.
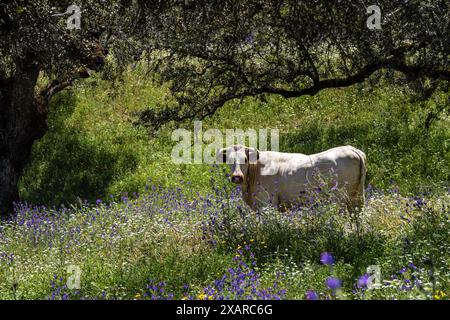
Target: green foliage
<point x="95" y="147"/>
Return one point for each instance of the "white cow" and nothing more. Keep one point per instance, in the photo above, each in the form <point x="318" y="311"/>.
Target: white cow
<point x="277" y="178"/>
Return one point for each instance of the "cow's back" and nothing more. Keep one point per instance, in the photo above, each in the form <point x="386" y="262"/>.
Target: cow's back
<point x="295" y="173"/>
<point x="341" y="164"/>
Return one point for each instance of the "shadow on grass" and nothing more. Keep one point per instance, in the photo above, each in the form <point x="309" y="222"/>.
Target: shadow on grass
<point x="67" y="164"/>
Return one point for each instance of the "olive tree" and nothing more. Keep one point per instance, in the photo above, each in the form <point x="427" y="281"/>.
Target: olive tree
<point x="41" y="53"/>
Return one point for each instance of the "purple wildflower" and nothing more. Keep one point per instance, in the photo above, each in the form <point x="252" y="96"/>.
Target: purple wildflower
<point x="333" y="283"/>
<point x="362" y="281"/>
<point x="326" y="258"/>
<point x="312" y="295"/>
<point x="412" y="266"/>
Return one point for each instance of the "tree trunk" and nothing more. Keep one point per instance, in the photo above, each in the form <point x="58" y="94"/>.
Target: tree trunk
<point x="22" y="122"/>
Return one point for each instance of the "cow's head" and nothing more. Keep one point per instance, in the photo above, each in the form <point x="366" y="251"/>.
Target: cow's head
<point x="240" y="158"/>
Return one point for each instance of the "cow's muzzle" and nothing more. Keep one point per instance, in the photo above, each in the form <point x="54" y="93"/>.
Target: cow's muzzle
<point x="237" y="179"/>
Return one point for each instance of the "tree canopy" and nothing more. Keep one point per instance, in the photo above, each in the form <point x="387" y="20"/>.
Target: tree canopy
<point x="214" y="51"/>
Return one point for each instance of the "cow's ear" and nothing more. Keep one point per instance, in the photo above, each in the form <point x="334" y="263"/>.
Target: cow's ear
<point x="252" y="155"/>
<point x="221" y="156"/>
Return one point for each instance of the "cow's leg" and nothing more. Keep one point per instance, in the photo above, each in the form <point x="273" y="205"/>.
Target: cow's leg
<point x="264" y="198"/>
<point x="355" y="203"/>
<point x="275" y="201"/>
<point x="284" y="206"/>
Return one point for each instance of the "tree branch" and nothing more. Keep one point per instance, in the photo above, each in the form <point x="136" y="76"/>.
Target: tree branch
<point x="361" y="76"/>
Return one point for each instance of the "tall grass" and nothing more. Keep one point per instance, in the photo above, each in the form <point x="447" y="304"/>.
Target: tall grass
<point x="107" y="199"/>
<point x="166" y="245"/>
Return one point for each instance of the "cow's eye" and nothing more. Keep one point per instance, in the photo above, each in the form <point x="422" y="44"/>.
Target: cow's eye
<point x="246" y="160"/>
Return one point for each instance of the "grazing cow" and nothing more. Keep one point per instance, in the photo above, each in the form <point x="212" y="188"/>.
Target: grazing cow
<point x="277" y="178"/>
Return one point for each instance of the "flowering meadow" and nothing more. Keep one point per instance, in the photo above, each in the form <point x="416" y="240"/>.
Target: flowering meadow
<point x="175" y="244"/>
<point x="151" y="229"/>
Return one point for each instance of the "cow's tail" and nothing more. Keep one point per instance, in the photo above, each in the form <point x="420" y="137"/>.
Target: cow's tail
<point x="362" y="172"/>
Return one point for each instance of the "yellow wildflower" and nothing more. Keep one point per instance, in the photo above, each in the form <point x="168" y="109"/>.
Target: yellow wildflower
<point x="439" y="295"/>
<point x="201" y="296"/>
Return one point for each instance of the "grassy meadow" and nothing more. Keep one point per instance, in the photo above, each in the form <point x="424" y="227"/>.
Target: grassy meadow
<point x="102" y="194"/>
